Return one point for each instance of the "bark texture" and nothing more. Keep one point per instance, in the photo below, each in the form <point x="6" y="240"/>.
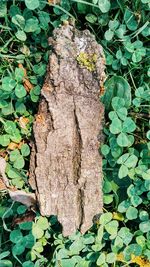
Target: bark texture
<point x="65" y="167"/>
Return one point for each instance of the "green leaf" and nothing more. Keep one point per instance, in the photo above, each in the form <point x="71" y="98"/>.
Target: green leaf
<point x="3" y="12"/>
<point x="37" y="231"/>
<point x="130" y="20"/>
<point x="111" y="257"/>
<point x="131" y="213"/>
<point x="10" y="127"/>
<point x="8" y="83"/>
<point x="31" y="25"/>
<point x="123" y="172"/>
<point x="21" y="35"/>
<point x="16" y="137"/>
<point x="26" y="226"/>
<point x="112" y="228"/>
<point x="113" y="24"/>
<point x="104" y="5"/>
<point x="91" y="18"/>
<point x="44" y="19"/>
<point x="18" y="248"/>
<point x="101" y="259"/>
<point x="105" y="150"/>
<point x="32" y="4"/>
<point x="109" y="35"/>
<point x="29" y="239"/>
<point x="4" y="140"/>
<point x="123" y="158"/>
<point x="122" y="113"/>
<point x="124" y="205"/>
<point x="4" y="254"/>
<point x="20" y="91"/>
<point x="117" y="102"/>
<point x="19" y="163"/>
<point x="122" y="140"/>
<point x="133" y="249"/>
<point x="116" y="86"/>
<point x="131" y="161"/>
<point x="3" y="103"/>
<point x="144" y="216"/>
<point x="16" y="236"/>
<point x="136" y="200"/>
<point x="38" y="247"/>
<point x="105" y="218"/>
<point x="125" y="234"/>
<point x="6" y="263"/>
<point x="129" y="126"/>
<point x="14" y="155"/>
<point x="28" y="264"/>
<point x="42" y="223"/>
<point x="145" y="226"/>
<point x="9" y="109"/>
<point x="18" y="20"/>
<point x="25" y="150"/>
<point x="115" y="126"/>
<point x="19" y="74"/>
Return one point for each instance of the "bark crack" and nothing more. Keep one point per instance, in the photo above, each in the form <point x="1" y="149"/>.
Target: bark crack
<point x="77" y="161"/>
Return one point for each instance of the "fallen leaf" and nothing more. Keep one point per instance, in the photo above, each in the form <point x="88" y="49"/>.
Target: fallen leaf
<point x="12" y="146"/>
<point x="23" y="122"/>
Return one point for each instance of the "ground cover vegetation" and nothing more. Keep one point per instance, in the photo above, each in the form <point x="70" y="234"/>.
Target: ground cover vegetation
<point x="121" y="237"/>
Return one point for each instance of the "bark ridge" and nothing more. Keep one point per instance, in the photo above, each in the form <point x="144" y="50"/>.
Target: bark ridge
<point x="65" y="166"/>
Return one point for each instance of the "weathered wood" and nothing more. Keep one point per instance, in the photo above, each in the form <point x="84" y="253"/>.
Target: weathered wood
<point x="65" y="167"/>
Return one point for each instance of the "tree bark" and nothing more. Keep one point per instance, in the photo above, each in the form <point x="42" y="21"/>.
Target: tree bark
<point x="65" y="166"/>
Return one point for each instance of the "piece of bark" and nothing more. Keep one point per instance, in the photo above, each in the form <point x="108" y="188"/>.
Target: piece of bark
<point x="65" y="166"/>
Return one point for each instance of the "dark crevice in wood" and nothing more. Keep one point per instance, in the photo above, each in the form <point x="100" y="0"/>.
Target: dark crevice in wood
<point x="77" y="149"/>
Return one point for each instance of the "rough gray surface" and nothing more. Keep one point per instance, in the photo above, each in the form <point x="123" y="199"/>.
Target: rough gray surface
<point x="65" y="166"/>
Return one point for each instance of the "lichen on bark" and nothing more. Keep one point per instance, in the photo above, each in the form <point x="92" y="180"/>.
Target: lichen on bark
<point x="65" y="166"/>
